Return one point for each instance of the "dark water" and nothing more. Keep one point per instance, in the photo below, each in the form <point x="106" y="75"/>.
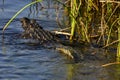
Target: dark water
<point x="20" y="61"/>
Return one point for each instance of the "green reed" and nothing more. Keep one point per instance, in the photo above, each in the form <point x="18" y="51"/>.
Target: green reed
<point x="87" y="12"/>
<point x="74" y="11"/>
<point x="112" y="23"/>
<point x="76" y="19"/>
<point x="104" y="17"/>
<point x="118" y="47"/>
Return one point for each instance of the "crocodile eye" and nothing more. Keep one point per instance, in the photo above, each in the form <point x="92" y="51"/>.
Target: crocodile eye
<point x="21" y="21"/>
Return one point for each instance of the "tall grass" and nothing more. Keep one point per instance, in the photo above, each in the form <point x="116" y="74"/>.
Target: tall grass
<point x="90" y="18"/>
<point x="78" y="27"/>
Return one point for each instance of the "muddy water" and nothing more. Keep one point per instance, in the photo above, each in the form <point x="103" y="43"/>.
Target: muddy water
<point x="21" y="61"/>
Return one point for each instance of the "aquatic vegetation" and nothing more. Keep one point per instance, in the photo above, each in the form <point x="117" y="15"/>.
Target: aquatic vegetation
<point x="94" y="21"/>
<point x="95" y="18"/>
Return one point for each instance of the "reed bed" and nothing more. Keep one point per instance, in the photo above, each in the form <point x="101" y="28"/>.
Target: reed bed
<point x="95" y="21"/>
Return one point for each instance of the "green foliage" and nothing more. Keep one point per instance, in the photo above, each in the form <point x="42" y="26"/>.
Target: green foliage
<point x="90" y="18"/>
<point x="82" y="16"/>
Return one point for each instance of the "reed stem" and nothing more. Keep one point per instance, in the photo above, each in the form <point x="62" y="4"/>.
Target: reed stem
<point x="118" y="48"/>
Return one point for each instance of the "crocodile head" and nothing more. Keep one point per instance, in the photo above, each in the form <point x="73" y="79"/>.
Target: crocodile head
<point x="25" y="22"/>
<point x="32" y="30"/>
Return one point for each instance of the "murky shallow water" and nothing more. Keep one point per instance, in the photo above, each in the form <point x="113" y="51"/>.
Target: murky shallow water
<point x="19" y="61"/>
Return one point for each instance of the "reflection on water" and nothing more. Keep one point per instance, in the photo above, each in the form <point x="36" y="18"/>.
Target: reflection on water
<point x="20" y="61"/>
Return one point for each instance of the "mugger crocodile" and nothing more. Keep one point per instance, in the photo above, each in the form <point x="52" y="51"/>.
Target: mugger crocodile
<point x="32" y="30"/>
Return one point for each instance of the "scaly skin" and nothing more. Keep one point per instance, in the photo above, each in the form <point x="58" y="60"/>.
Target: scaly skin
<point x="34" y="31"/>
